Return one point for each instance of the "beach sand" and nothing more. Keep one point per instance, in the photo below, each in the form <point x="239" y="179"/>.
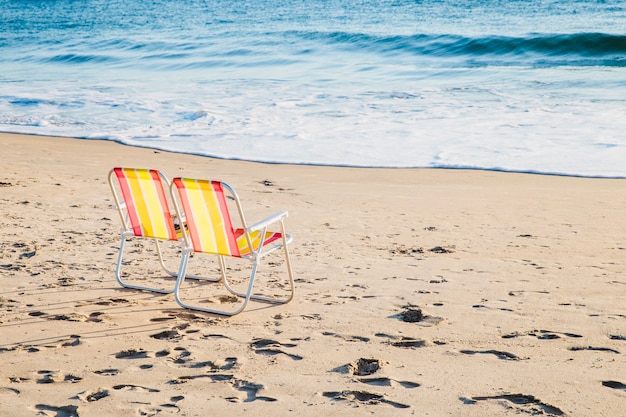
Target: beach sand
<point x="520" y="278"/>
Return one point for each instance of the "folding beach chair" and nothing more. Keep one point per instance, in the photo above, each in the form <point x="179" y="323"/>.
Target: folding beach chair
<point x="142" y="198"/>
<point x="203" y="206"/>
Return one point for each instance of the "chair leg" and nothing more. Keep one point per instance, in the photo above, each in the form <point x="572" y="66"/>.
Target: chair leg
<point x="174" y="274"/>
<point x="181" y="279"/>
<point x="118" y="271"/>
<point x="247" y="296"/>
<point x="161" y="261"/>
<point x="264" y="298"/>
<point x="289" y="270"/>
<point x="222" y="267"/>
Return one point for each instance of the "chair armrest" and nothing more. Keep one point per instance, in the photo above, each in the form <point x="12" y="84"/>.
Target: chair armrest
<point x="267" y="221"/>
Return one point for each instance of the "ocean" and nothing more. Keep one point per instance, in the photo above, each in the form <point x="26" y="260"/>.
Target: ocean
<point x="521" y="85"/>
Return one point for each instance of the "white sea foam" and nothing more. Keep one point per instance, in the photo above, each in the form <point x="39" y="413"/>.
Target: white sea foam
<point x="388" y="96"/>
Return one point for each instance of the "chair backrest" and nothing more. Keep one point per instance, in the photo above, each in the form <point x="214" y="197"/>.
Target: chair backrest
<point x="207" y="217"/>
<point x="146" y="203"/>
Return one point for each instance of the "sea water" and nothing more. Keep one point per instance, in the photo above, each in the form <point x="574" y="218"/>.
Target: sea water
<point x="518" y="85"/>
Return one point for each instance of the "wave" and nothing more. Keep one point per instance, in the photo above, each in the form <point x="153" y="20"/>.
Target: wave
<point x="80" y="58"/>
<point x="558" y="49"/>
<point x="256" y="49"/>
<point x="292" y="47"/>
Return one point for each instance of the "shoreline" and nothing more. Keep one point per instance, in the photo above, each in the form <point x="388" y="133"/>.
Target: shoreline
<point x="451" y="168"/>
<point x="520" y="277"/>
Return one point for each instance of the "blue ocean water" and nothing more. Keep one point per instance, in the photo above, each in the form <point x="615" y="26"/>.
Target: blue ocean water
<point x="517" y="85"/>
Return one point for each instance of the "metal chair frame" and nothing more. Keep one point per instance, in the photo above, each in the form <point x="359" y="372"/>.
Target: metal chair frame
<point x="253" y="252"/>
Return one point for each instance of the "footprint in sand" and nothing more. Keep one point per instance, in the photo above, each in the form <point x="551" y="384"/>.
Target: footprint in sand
<point x="72" y="379"/>
<point x="527" y="404"/>
<point x="25" y="250"/>
<point x="112" y="301"/>
<point x="162" y="353"/>
<point x="363" y="397"/>
<point x="97" y="317"/>
<point x="91" y="396"/>
<point x="442" y="249"/>
<point x="271" y="347"/>
<point x="69" y="317"/>
<point x="131" y="387"/>
<point x="187" y="317"/>
<point x="229" y="364"/>
<point x="132" y="354"/>
<point x="100" y="393"/>
<point x="6" y="390"/>
<point x="348" y="338"/>
<point x="74" y="341"/>
<point x="46" y="379"/>
<point x="50" y="377"/>
<point x="171" y="335"/>
<point x="406" y="342"/>
<point x="414" y="314"/>
<point x="213" y="377"/>
<point x="183" y="357"/>
<point x="404" y="250"/>
<point x="154" y="410"/>
<point x="251" y="389"/>
<point x="71" y="341"/>
<point x="360" y="367"/>
<point x="614" y="385"/>
<point x="388" y="382"/>
<point x="369" y="366"/>
<point x="25" y="348"/>
<point x="161" y="319"/>
<point x="107" y="372"/>
<point x="542" y="335"/>
<point x="365" y="366"/>
<point x="595" y="348"/>
<point x="8" y="304"/>
<point x="63" y="411"/>
<point x="498" y="353"/>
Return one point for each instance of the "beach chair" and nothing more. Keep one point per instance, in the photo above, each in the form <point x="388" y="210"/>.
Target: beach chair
<point x="204" y="206"/>
<point x="142" y="198"/>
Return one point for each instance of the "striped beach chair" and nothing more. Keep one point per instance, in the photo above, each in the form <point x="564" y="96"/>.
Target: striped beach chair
<point x="210" y="230"/>
<point x="142" y="198"/>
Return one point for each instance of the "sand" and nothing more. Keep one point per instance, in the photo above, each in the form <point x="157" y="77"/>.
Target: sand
<point x="520" y="280"/>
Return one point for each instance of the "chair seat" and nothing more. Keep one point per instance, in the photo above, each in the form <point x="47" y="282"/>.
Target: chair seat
<point x="255" y="237"/>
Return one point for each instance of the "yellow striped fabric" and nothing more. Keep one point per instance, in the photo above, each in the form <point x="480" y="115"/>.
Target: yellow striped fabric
<point x="255" y="237"/>
<point x="146" y="203"/>
<point x="208" y="221"/>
